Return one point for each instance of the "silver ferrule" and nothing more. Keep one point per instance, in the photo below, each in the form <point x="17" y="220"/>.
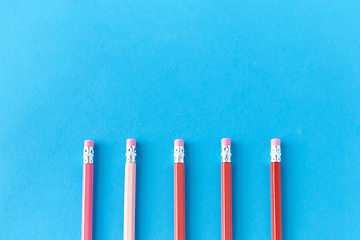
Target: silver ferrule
<point x="179" y="154"/>
<point x="88" y="155"/>
<point x="225" y="153"/>
<point x="275" y="153"/>
<point x="130" y="153"/>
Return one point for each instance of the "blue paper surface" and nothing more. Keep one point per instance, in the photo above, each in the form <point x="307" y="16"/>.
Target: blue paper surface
<point x="197" y="70"/>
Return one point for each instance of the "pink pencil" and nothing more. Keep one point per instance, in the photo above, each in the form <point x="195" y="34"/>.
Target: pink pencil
<point x="87" y="194"/>
<point x="130" y="190"/>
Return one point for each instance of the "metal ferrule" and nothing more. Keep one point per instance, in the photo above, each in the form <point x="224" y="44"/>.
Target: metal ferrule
<point x="275" y="153"/>
<point x="130" y="153"/>
<point x="88" y="155"/>
<point x="225" y="153"/>
<point x="179" y="154"/>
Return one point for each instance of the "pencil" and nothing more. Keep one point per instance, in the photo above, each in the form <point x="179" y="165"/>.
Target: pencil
<point x="226" y="190"/>
<point x="275" y="173"/>
<point x="179" y="190"/>
<point x="130" y="190"/>
<point x="87" y="190"/>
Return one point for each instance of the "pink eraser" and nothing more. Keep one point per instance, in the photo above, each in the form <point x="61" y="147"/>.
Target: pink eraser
<point x="179" y="142"/>
<point x="89" y="143"/>
<point x="275" y="141"/>
<point x="226" y="141"/>
<point x="130" y="142"/>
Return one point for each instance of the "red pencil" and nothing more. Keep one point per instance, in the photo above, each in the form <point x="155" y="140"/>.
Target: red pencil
<point x="275" y="173"/>
<point x="179" y="190"/>
<point x="226" y="190"/>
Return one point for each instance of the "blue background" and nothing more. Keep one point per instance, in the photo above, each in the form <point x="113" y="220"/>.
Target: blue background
<point x="197" y="70"/>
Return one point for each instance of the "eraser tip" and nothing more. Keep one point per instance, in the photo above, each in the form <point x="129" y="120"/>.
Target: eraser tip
<point x="226" y="141"/>
<point x="275" y="141"/>
<point x="179" y="142"/>
<point x="130" y="142"/>
<point x="89" y="143"/>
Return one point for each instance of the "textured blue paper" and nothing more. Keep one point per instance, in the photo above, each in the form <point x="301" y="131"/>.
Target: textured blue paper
<point x="197" y="70"/>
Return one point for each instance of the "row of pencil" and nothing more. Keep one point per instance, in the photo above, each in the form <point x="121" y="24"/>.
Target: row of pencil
<point x="179" y="190"/>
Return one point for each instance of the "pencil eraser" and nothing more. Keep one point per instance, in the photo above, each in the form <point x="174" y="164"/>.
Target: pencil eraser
<point x="226" y="141"/>
<point x="275" y="141"/>
<point x="130" y="142"/>
<point x="179" y="142"/>
<point x="89" y="143"/>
